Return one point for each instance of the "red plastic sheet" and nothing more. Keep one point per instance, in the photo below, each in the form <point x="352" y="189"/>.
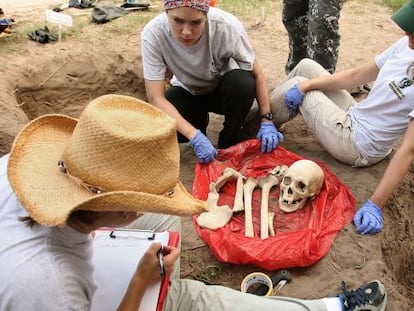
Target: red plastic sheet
<point x="302" y="237"/>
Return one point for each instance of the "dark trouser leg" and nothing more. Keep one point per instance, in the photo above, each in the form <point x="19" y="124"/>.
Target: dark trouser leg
<point x="191" y="107"/>
<point x="235" y="96"/>
<point x="324" y="39"/>
<point x="295" y="19"/>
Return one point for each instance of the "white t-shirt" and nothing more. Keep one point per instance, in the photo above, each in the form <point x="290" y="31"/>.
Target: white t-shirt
<point x="380" y="119"/>
<point x="223" y="46"/>
<point x="41" y="268"/>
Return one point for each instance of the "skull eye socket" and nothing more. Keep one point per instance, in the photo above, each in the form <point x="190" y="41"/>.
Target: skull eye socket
<point x="286" y="181"/>
<point x="300" y="187"/>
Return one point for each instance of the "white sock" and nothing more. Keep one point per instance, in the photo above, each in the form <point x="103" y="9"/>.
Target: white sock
<point x="333" y="304"/>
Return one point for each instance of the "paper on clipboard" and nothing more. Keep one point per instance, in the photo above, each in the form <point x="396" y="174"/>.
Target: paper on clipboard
<point x="115" y="259"/>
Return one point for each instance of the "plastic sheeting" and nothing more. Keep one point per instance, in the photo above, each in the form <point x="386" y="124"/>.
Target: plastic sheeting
<point x="301" y="238"/>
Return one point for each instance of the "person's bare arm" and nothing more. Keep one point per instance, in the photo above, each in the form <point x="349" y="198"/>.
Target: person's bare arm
<point x="342" y="80"/>
<point x="156" y="96"/>
<point x="147" y="272"/>
<point x="262" y="94"/>
<point x="397" y="168"/>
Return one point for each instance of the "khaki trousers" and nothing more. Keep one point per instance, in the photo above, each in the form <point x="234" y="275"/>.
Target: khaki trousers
<point x="325" y="113"/>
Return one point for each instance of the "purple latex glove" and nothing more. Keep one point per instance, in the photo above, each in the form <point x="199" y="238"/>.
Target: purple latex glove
<point x="269" y="136"/>
<point x="368" y="219"/>
<point x="293" y="98"/>
<point x="203" y="148"/>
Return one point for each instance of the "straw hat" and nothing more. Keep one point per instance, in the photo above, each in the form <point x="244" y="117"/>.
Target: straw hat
<point x="121" y="155"/>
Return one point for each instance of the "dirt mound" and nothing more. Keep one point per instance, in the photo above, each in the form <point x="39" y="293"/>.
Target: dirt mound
<point x="63" y="77"/>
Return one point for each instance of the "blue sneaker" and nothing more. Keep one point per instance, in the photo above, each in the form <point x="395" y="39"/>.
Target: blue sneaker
<point x="369" y="297"/>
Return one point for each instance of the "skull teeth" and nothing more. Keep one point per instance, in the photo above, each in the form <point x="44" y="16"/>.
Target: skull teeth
<point x="293" y="202"/>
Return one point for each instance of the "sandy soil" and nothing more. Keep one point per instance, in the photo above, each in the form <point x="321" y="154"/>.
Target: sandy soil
<point x="64" y="76"/>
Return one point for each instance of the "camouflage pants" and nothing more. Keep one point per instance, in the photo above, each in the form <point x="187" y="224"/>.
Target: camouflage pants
<point x="312" y="26"/>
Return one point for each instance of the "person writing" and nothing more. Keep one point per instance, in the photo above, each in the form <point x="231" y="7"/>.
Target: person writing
<point x="214" y="69"/>
<point x="64" y="178"/>
<point x="117" y="165"/>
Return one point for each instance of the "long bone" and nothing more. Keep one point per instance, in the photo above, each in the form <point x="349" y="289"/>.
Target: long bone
<point x="229" y="173"/>
<point x="266" y="216"/>
<point x="217" y="216"/>
<point x="248" y="188"/>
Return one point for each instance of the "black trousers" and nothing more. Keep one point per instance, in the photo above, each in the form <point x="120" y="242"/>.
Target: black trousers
<point x="233" y="99"/>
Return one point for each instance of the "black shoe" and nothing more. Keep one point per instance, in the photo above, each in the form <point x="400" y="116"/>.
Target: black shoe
<point x="369" y="297"/>
<point x="42" y="35"/>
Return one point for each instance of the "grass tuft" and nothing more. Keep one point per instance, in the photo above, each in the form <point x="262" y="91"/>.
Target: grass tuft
<point x="394" y="4"/>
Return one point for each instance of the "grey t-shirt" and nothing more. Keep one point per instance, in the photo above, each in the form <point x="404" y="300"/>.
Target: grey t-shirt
<point x="41" y="268"/>
<point x="223" y="46"/>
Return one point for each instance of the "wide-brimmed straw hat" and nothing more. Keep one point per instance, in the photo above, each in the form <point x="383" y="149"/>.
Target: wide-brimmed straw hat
<point x="121" y="155"/>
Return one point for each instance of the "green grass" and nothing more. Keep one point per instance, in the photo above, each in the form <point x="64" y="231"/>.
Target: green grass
<point x="246" y="9"/>
<point x="394" y="4"/>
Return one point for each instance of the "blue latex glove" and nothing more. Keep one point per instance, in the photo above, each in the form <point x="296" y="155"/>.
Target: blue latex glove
<point x="269" y="136"/>
<point x="368" y="219"/>
<point x="203" y="148"/>
<point x="293" y="98"/>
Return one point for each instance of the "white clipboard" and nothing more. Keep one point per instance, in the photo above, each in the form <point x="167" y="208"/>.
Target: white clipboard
<point x="116" y="256"/>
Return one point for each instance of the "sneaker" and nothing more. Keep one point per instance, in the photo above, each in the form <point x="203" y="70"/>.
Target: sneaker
<point x="369" y="297"/>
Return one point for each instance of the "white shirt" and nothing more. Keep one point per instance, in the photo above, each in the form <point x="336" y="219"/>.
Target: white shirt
<point x="380" y="119"/>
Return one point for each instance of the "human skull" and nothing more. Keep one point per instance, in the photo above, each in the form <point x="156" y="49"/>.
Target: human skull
<point x="302" y="181"/>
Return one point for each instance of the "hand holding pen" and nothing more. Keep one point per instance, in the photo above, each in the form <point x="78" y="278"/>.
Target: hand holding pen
<point x="155" y="264"/>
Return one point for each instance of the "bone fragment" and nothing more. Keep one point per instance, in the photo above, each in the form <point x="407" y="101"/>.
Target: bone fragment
<point x="248" y="188"/>
<point x="229" y="173"/>
<point x="217" y="216"/>
<point x="279" y="171"/>
<point x="266" y="222"/>
<point x="238" y="204"/>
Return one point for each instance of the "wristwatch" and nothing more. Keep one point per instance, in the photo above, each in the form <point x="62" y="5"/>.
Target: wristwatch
<point x="268" y="116"/>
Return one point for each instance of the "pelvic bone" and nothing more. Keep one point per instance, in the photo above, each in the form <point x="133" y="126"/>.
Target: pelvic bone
<point x="217" y="216"/>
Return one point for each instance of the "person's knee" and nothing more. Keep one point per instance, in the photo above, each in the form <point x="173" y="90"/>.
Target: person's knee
<point x="281" y="113"/>
<point x="306" y="64"/>
<point x="308" y="68"/>
<point x="240" y="83"/>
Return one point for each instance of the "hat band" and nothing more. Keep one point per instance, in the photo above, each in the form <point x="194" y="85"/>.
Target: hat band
<point x="79" y="181"/>
<point x="92" y="188"/>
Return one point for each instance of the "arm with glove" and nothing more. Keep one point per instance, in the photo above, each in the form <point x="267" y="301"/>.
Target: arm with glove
<point x="369" y="219"/>
<point x="201" y="145"/>
<point x="269" y="136"/>
<point x="331" y="82"/>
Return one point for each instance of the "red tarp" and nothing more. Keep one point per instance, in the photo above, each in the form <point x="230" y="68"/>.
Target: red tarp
<point x="302" y="237"/>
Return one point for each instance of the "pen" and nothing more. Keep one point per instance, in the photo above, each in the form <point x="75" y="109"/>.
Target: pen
<point x="161" y="261"/>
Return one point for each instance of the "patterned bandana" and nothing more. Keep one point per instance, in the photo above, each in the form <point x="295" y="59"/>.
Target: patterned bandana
<point x="201" y="5"/>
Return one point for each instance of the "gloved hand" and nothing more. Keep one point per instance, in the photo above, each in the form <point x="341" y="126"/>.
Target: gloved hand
<point x="269" y="136"/>
<point x="203" y="148"/>
<point x="293" y="98"/>
<point x="368" y="219"/>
